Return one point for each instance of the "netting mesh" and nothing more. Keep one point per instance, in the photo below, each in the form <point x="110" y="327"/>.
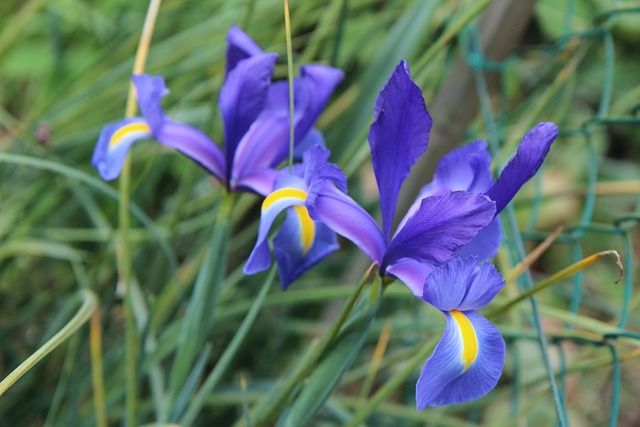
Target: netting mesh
<point x="585" y="231"/>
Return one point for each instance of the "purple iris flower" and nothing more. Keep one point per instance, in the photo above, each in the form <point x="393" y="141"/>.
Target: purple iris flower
<point x="440" y="222"/>
<point x="255" y="113"/>
<point x="467" y="362"/>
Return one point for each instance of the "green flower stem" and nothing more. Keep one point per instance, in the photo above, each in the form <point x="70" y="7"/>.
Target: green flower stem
<point x="287" y="26"/>
<point x="199" y="400"/>
<point x="268" y="408"/>
<point x="123" y="252"/>
<point x="89" y="304"/>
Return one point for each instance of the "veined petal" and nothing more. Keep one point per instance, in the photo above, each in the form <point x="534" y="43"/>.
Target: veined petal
<point x="114" y="143"/>
<point x="239" y="46"/>
<point x="460" y="284"/>
<point x="194" y="144"/>
<point x="441" y="225"/>
<point x="242" y="99"/>
<point x="318" y="170"/>
<point x="150" y="90"/>
<point x="465" y="365"/>
<point x="273" y="204"/>
<point x="467" y="168"/>
<point x="486" y="244"/>
<point x="344" y="216"/>
<point x="300" y="244"/>
<point x="531" y="153"/>
<point x="411" y="272"/>
<point x="398" y="136"/>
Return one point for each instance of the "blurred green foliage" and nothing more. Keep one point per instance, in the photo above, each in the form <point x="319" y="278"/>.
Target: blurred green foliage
<point x="64" y="70"/>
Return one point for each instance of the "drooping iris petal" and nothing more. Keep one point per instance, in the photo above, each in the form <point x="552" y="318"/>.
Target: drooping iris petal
<point x="344" y="216"/>
<point x="150" y="90"/>
<point x="242" y="99"/>
<point x="300" y="244"/>
<point x="411" y="272"/>
<point x="276" y="202"/>
<point x="114" y="143"/>
<point x="441" y="225"/>
<point x="486" y="244"/>
<point x="398" y="136"/>
<point x="194" y="144"/>
<point x="239" y="46"/>
<point x="531" y="153"/>
<point x="465" y="365"/>
<point x="461" y="284"/>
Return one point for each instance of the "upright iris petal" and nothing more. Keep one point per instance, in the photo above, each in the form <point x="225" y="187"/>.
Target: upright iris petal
<point x="255" y="114"/>
<point x="398" y="137"/>
<point x="468" y="360"/>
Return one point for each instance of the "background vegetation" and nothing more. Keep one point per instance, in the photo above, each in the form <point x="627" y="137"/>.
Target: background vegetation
<point x="488" y="70"/>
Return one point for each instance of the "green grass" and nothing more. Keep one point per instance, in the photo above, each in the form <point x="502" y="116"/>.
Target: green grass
<point x="64" y="70"/>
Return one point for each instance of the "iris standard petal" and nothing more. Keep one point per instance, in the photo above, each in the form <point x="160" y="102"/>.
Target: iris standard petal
<point x="242" y="99"/>
<point x="260" y="182"/>
<point x="239" y="46"/>
<point x="318" y="170"/>
<point x="276" y="202"/>
<point x="462" y="284"/>
<point x="441" y="225"/>
<point x="300" y="244"/>
<point x="344" y="216"/>
<point x="412" y="273"/>
<point x="486" y="244"/>
<point x="467" y="168"/>
<point x="398" y="136"/>
<point x="194" y="144"/>
<point x="114" y="143"/>
<point x="465" y="365"/>
<point x="313" y="137"/>
<point x="317" y="83"/>
<point x="149" y="91"/>
<point x="531" y="153"/>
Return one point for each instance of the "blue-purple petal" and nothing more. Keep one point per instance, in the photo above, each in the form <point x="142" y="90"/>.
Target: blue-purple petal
<point x="443" y="380"/>
<point x="261" y="181"/>
<point x="242" y="99"/>
<point x="467" y="168"/>
<point x="461" y="284"/>
<point x="239" y="46"/>
<point x="150" y="90"/>
<point x="486" y="244"/>
<point x="194" y="144"/>
<point x="344" y="216"/>
<point x="531" y="153"/>
<point x="398" y="136"/>
<point x="114" y="143"/>
<point x="260" y="257"/>
<point x="410" y="272"/>
<point x="292" y="259"/>
<point x="440" y="227"/>
<point x="313" y="137"/>
<point x="318" y="170"/>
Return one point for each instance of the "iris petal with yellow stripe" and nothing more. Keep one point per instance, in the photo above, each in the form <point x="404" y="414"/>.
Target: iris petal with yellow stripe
<point x="468" y="360"/>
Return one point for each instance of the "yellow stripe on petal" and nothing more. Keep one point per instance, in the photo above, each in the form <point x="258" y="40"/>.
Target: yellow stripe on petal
<point x="307" y="227"/>
<point x="127" y="130"/>
<point x="469" y="339"/>
<point x="283" y="193"/>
